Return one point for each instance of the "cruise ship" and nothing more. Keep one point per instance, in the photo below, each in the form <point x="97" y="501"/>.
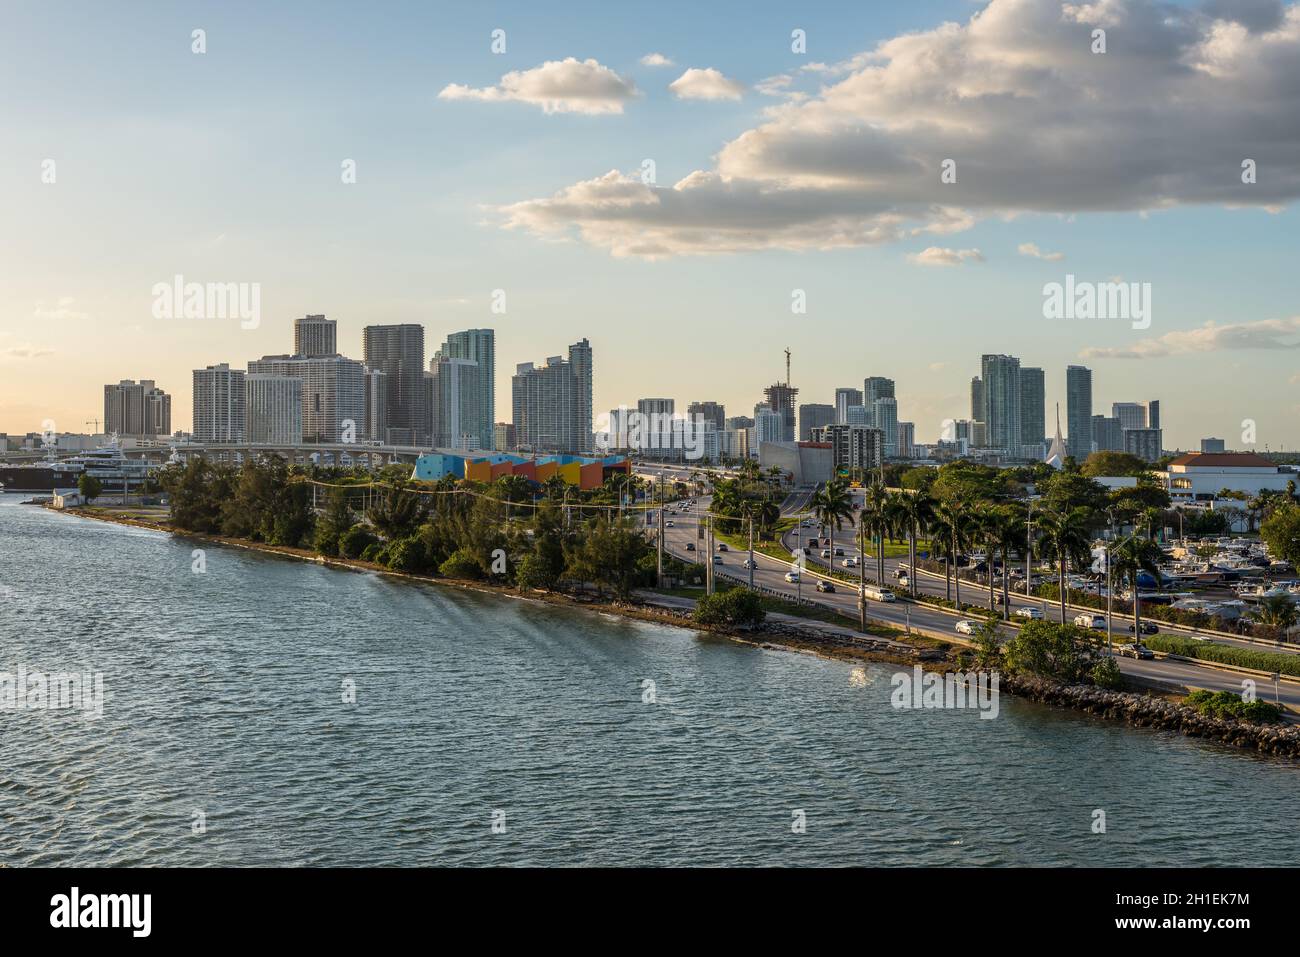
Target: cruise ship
<point x="114" y="470"/>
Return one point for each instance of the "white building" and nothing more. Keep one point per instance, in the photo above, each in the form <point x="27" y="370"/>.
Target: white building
<point x="273" y="408"/>
<point x="1198" y="476"/>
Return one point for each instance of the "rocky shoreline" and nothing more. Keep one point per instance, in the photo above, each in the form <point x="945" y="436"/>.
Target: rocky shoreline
<point x="1132" y="708"/>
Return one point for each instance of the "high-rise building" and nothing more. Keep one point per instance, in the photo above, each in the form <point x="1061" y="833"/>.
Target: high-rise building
<point x="769" y="426"/>
<point x="858" y="415"/>
<point x="714" y="413"/>
<point x="656" y="406"/>
<point x="334" y="389"/>
<point x="504" y="437"/>
<point x="580" y="358"/>
<point x="906" y="440"/>
<point x="1131" y="415"/>
<point x="1001" y="377"/>
<point x="1153" y="414"/>
<point x="977" y="399"/>
<point x="854" y="447"/>
<point x="814" y="415"/>
<point x="455" y="416"/>
<point x="1212" y="445"/>
<point x="1033" y="407"/>
<point x="876" y="387"/>
<point x="315" y="336"/>
<point x="884" y="415"/>
<point x="137" y="408"/>
<point x="273" y="409"/>
<point x="780" y="398"/>
<point x="740" y="422"/>
<point x="398" y="352"/>
<point x="375" y="406"/>
<point x="551" y="404"/>
<point x="477" y="345"/>
<point x="1146" y="444"/>
<point x="219" y="403"/>
<point x="843" y="399"/>
<point x="1107" y="434"/>
<point x="1078" y="411"/>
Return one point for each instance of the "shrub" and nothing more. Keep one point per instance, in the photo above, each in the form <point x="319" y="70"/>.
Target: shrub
<point x="1225" y="654"/>
<point x="738" y="607"/>
<point x="406" y="555"/>
<point x="1225" y="704"/>
<point x="355" y="542"/>
<point x="461" y="564"/>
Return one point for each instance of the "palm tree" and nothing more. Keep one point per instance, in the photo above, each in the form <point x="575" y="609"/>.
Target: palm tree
<point x="832" y="505"/>
<point x="915" y="512"/>
<point x="1010" y="538"/>
<point x="1277" y="611"/>
<point x="988" y="522"/>
<point x="1132" y="555"/>
<point x="877" y="519"/>
<point x="1065" y="538"/>
<point x="952" y="521"/>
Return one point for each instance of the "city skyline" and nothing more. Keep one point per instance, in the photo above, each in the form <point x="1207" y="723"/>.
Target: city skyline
<point x="418" y="236"/>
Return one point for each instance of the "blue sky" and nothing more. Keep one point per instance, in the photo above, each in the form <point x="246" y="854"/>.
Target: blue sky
<point x="226" y="167"/>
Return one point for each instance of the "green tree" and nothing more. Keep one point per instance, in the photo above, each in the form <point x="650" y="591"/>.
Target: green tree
<point x="396" y="512"/>
<point x="1132" y="555"/>
<point x="1065" y="653"/>
<point x="335" y="521"/>
<point x="89" y="487"/>
<point x="833" y="506"/>
<point x="1065" y="539"/>
<point x="609" y="555"/>
<point x="1281" y="532"/>
<point x="1100" y="464"/>
<point x="915" y="512"/>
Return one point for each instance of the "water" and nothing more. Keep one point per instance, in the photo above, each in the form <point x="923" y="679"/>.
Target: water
<point x="223" y="695"/>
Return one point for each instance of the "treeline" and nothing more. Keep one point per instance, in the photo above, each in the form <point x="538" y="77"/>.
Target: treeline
<point x="507" y="532"/>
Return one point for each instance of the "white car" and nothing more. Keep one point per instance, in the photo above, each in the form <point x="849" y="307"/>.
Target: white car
<point x="669" y="523"/>
<point x="1091" y="621"/>
<point x="1028" y="612"/>
<point x="826" y="553"/>
<point x="749" y="563"/>
<point x="717" y="559"/>
<point x="965" y="627"/>
<point x="792" y="577"/>
<point x="850" y="562"/>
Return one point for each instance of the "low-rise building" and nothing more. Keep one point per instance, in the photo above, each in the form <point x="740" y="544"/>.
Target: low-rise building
<point x="1198" y="476"/>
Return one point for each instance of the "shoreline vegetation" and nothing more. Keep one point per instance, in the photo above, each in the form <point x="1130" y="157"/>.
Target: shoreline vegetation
<point x="1056" y="665"/>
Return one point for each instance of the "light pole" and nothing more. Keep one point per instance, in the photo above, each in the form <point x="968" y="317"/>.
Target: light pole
<point x="1110" y="647"/>
<point x="751" y="551"/>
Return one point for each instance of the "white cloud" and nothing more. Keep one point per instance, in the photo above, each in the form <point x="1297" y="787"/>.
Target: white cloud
<point x="557" y="86"/>
<point x="656" y="59"/>
<point x="774" y="85"/>
<point x="940" y="256"/>
<point x="58" y="311"/>
<point x="1033" y="252"/>
<point x="27" y="351"/>
<point x="706" y="84"/>
<point x="1211" y="337"/>
<point x="1034" y="121"/>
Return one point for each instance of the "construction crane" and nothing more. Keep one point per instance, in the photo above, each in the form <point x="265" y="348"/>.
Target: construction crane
<point x="787" y="367"/>
<point x="94" y="422"/>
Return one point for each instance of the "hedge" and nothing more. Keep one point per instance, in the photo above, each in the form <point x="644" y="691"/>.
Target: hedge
<point x="1225" y="654"/>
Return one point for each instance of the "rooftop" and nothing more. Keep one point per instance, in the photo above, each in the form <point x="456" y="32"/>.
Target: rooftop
<point x="1221" y="460"/>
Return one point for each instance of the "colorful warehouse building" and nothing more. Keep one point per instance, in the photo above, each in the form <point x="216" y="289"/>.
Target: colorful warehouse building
<point x="584" y="472"/>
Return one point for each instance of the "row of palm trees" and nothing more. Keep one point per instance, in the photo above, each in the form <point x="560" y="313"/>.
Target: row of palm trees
<point x="954" y="526"/>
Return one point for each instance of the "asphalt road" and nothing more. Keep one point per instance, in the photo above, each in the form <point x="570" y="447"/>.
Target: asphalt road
<point x="770" y="573"/>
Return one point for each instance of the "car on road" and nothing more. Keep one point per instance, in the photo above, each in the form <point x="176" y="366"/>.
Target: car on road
<point x="690" y="546"/>
<point x="850" y="562"/>
<point x="839" y="552"/>
<point x="812" y="542"/>
<point x="903" y="581"/>
<point x="826" y="553"/>
<point x="876" y="593"/>
<point x="825" y="586"/>
<point x="717" y="559"/>
<point x="1028" y="612"/>
<point x="1148" y="628"/>
<point x="792" y="577"/>
<point x="722" y="547"/>
<point x="669" y="523"/>
<point x="901" y="571"/>
<point x="965" y="627"/>
<point x="1091" y="621"/>
<point x="749" y="563"/>
<point x="1134" y="651"/>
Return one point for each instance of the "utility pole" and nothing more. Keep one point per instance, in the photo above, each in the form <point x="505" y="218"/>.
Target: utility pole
<point x="862" y="576"/>
<point x="1110" y="647"/>
<point x="708" y="563"/>
<point x="660" y="566"/>
<point x="751" y="552"/>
